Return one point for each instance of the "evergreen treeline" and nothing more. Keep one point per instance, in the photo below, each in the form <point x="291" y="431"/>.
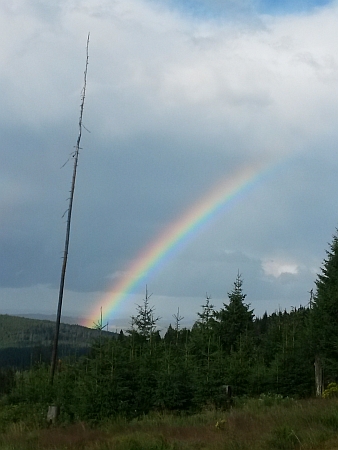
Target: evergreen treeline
<point x="24" y="342"/>
<point x="226" y="351"/>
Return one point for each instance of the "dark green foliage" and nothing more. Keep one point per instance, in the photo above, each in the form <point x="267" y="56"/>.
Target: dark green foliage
<point x="144" y="323"/>
<point x="234" y="319"/>
<point x="25" y="342"/>
<point x="7" y="381"/>
<point x="324" y="314"/>
<point x="284" y="352"/>
<point x="226" y="352"/>
<point x="174" y="391"/>
<point x="22" y="332"/>
<point x="170" y="336"/>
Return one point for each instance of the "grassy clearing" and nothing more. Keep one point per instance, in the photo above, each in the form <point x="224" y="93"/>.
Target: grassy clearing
<point x="260" y="424"/>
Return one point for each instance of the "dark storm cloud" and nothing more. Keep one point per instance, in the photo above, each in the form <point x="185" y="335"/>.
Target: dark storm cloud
<point x="173" y="106"/>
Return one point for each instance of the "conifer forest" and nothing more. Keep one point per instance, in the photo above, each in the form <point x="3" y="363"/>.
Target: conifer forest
<point x="231" y="381"/>
<point x="228" y="353"/>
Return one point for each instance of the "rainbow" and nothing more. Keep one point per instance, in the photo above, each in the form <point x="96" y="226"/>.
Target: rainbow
<point x="177" y="235"/>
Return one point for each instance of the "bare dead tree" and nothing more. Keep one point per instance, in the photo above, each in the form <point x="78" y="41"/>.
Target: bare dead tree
<point x="178" y="319"/>
<point x="99" y="325"/>
<point x="75" y="156"/>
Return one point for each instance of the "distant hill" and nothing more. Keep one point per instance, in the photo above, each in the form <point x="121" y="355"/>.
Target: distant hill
<point x="24" y="341"/>
<point x="52" y="317"/>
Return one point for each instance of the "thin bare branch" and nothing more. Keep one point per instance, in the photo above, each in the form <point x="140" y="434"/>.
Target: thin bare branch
<point x="63" y="165"/>
<point x="86" y="128"/>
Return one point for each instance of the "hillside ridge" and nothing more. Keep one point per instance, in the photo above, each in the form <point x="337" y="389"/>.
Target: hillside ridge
<point x="23" y="341"/>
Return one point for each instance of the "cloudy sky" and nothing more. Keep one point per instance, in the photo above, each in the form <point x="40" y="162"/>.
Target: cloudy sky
<point x="181" y="95"/>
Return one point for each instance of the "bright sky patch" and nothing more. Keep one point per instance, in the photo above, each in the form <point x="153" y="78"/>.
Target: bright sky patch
<point x="276" y="268"/>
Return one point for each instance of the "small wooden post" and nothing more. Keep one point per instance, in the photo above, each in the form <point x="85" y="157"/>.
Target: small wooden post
<point x="53" y="414"/>
<point x="318" y="376"/>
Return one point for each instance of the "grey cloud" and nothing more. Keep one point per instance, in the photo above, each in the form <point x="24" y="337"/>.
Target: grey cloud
<point x="168" y="120"/>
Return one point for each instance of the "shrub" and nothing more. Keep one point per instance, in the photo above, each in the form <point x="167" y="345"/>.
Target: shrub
<point x="331" y="391"/>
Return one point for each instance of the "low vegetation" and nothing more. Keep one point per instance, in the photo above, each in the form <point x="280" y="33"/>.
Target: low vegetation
<point x="263" y="423"/>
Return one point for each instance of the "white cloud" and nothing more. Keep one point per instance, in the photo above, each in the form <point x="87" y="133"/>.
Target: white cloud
<point x="277" y="267"/>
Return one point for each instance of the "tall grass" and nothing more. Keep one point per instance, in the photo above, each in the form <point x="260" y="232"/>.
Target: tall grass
<point x="266" y="423"/>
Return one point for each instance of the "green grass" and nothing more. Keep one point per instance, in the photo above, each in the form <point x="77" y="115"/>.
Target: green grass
<point x="255" y="424"/>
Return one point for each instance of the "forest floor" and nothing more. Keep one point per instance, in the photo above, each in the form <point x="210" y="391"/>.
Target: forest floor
<point x="255" y="424"/>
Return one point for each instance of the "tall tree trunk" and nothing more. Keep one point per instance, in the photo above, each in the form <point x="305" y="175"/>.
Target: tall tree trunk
<point x="69" y="218"/>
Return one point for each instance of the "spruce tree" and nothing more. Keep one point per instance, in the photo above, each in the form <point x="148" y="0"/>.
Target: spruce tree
<point x="235" y="318"/>
<point x="144" y="322"/>
<point x="324" y="313"/>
